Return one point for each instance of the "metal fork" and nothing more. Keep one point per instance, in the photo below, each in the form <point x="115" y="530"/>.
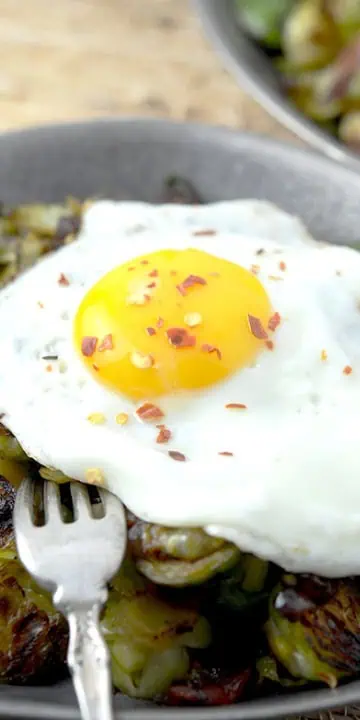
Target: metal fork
<point x="75" y="560"/>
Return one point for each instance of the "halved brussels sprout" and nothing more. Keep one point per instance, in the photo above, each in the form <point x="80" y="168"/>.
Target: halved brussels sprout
<point x="313" y="628"/>
<point x="178" y="556"/>
<point x="148" y="638"/>
<point x="310" y="37"/>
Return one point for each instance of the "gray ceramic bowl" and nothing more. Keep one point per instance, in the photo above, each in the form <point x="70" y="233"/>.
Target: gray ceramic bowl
<point x="129" y="159"/>
<point x="252" y="68"/>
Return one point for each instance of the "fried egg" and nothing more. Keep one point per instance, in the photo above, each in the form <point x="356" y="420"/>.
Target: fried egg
<point x="203" y="364"/>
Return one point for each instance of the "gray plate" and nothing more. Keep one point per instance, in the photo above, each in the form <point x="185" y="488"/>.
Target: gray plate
<point x="252" y="68"/>
<point x="129" y="159"/>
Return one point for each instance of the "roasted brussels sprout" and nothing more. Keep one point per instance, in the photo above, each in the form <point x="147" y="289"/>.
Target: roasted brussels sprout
<point x="264" y="19"/>
<point x="310" y="37"/>
<point x="179" y="556"/>
<point x="10" y="448"/>
<point x="349" y="130"/>
<point x="33" y="636"/>
<point x="313" y="628"/>
<point x="148" y="637"/>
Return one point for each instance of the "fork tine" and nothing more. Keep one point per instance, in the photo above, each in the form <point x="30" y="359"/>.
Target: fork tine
<point x="52" y="504"/>
<point x="24" y="505"/>
<point x="81" y="500"/>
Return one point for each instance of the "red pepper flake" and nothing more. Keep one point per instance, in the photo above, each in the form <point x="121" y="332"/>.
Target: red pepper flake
<point x="180" y="338"/>
<point x="48" y="368"/>
<point x="176" y="455"/>
<point x="151" y="331"/>
<point x="164" y="434"/>
<point x="282" y="266"/>
<point x="189" y="282"/>
<point x="226" y="453"/>
<point x="274" y="321"/>
<point x="153" y="273"/>
<point x="88" y="345"/>
<point x="106" y="343"/>
<point x="132" y="267"/>
<point x="347" y="370"/>
<point x="151" y="285"/>
<point x="204" y="233"/>
<point x="211" y="349"/>
<point x="255" y="269"/>
<point x="256" y="328"/>
<point x="40" y="304"/>
<point x="96" y="367"/>
<point x="269" y="344"/>
<point x="144" y="262"/>
<point x="148" y="412"/>
<point x="62" y="280"/>
<point x="236" y="406"/>
<point x="160" y="322"/>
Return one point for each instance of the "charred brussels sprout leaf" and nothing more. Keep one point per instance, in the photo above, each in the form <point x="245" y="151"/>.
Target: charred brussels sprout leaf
<point x="180" y="191"/>
<point x="148" y="638"/>
<point x="209" y="687"/>
<point x="313" y="629"/>
<point x="178" y="573"/>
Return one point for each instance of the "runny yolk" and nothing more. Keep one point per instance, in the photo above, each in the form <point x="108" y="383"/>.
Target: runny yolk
<point x="169" y="321"/>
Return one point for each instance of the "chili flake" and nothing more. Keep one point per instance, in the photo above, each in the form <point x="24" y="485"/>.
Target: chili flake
<point x="160" y="322"/>
<point x="236" y="406"/>
<point x="132" y="267"/>
<point x="189" y="282"/>
<point x="164" y="434"/>
<point x="40" y="304"/>
<point x="122" y="418"/>
<point x="140" y="361"/>
<point x="88" y="345"/>
<point x="153" y="273"/>
<point x="347" y="370"/>
<point x="106" y="343"/>
<point x="62" y="280"/>
<point x="151" y="285"/>
<point x="48" y="368"/>
<point x="176" y="455"/>
<point x="192" y="319"/>
<point x="226" y="453"/>
<point x="211" y="349"/>
<point x="256" y="328"/>
<point x="96" y="367"/>
<point x="180" y="338"/>
<point x="269" y="344"/>
<point x="144" y="262"/>
<point x="204" y="233"/>
<point x="151" y="331"/>
<point x="96" y="418"/>
<point x="274" y="321"/>
<point x="148" y="412"/>
<point x="282" y="266"/>
<point x="324" y="355"/>
<point x="255" y="269"/>
<point x="94" y="476"/>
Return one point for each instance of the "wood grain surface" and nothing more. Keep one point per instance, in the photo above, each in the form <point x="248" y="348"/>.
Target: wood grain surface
<point x="70" y="59"/>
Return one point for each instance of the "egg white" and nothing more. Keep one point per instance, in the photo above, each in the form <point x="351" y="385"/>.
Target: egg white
<point x="291" y="491"/>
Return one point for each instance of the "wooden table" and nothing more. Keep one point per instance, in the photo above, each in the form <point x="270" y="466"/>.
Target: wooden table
<point x="85" y="58"/>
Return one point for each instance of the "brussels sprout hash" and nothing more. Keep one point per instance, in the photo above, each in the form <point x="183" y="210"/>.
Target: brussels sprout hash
<point x="190" y="619"/>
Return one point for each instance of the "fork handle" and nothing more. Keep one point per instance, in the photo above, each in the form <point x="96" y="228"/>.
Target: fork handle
<point x="89" y="663"/>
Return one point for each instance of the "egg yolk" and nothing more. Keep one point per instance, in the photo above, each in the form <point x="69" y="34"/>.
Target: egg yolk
<point x="169" y="321"/>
